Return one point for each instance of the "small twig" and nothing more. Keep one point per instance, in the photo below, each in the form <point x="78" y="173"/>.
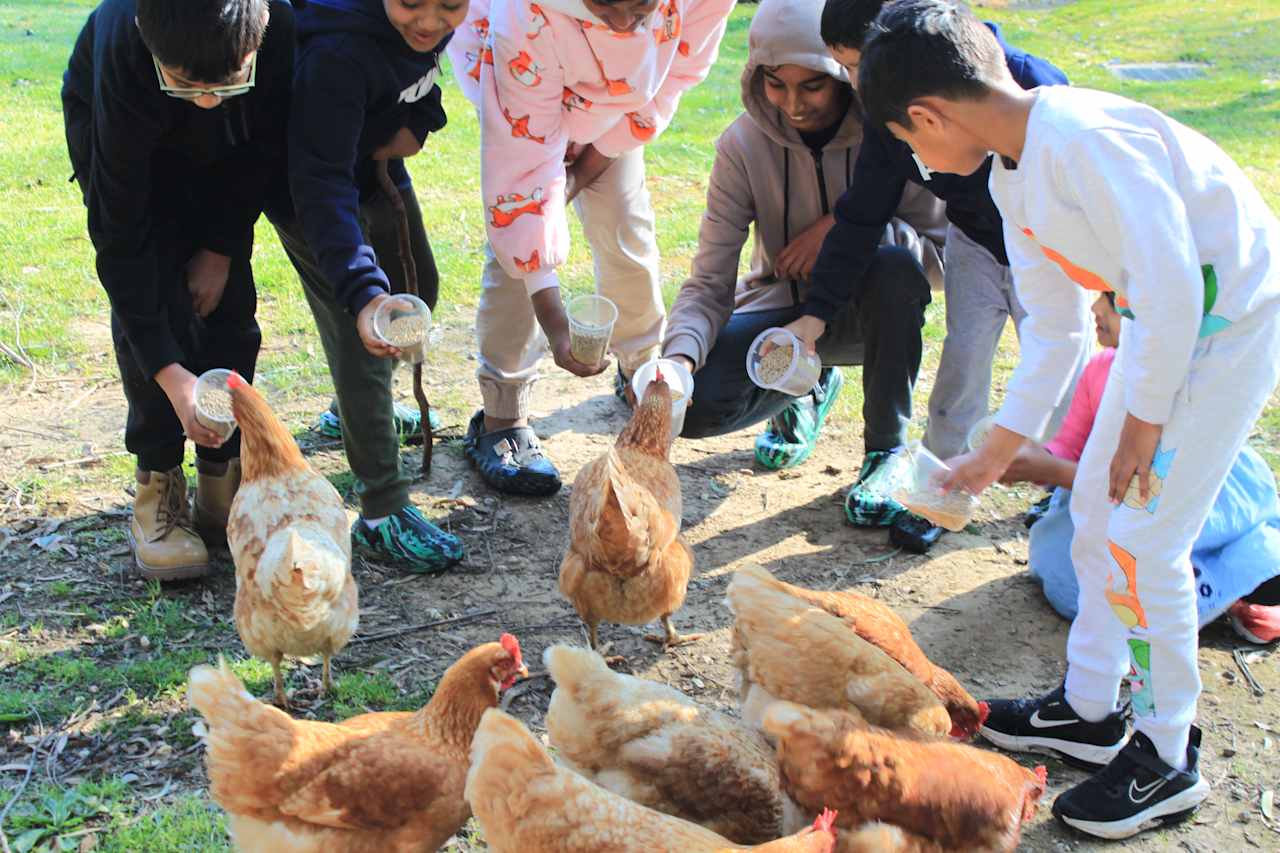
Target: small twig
<point x="1243" y="663"/>
<point x="83" y="460"/>
<point x="22" y="786"/>
<point x="399" y="632"/>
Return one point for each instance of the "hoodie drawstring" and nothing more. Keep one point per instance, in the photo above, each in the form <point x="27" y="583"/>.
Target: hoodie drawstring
<point x="786" y="216"/>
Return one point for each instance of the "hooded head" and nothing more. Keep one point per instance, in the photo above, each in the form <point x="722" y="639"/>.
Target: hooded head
<point x="791" y="81"/>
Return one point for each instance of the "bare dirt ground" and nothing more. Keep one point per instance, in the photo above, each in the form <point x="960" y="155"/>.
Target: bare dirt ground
<point x="971" y="604"/>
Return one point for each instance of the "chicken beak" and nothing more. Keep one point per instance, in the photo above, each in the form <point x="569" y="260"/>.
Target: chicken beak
<point x="523" y="671"/>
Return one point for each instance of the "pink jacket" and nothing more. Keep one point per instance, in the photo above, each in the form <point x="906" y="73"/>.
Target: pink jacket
<point x="1068" y="442"/>
<point x="547" y="78"/>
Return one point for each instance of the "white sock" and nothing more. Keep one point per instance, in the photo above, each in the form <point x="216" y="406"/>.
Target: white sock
<point x="1088" y="710"/>
<point x="374" y="523"/>
<point x="1171" y="747"/>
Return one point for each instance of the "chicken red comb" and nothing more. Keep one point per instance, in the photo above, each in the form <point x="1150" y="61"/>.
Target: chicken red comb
<point x="1042" y="773"/>
<point x="512" y="645"/>
<point x="826" y="821"/>
<point x="657" y="375"/>
<point x="235" y="380"/>
<point x="984" y="711"/>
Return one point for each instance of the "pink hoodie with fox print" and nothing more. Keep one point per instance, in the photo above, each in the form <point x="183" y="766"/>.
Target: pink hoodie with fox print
<point x="547" y="78"/>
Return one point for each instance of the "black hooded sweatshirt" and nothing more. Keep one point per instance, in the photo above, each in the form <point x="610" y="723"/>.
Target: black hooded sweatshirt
<point x="136" y="151"/>
<point x="357" y="83"/>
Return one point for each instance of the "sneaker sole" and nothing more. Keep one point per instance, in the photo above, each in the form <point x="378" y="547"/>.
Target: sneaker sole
<point x="1083" y="755"/>
<point x="382" y="559"/>
<point x="172" y="573"/>
<point x="1177" y="808"/>
<point x="1247" y="635"/>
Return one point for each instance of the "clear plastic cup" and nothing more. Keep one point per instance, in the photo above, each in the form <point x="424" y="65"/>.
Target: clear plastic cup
<point x="777" y="360"/>
<point x="591" y="319"/>
<point x="677" y="377"/>
<point x="404" y="322"/>
<point x="978" y="432"/>
<point x="924" y="495"/>
<point x="213" y="402"/>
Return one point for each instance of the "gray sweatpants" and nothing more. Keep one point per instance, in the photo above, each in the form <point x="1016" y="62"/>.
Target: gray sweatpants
<point x="980" y="298"/>
<point x="617" y="219"/>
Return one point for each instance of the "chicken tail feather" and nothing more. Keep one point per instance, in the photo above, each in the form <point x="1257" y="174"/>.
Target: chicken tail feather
<point x="304" y="572"/>
<point x="217" y="693"/>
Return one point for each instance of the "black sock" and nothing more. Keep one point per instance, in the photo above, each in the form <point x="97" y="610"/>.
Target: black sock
<point x="1267" y="594"/>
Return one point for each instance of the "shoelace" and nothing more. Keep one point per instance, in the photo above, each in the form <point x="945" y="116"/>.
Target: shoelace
<point x="173" y="511"/>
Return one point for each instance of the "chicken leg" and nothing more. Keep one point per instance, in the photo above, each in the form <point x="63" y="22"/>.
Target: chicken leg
<point x="671" y="637"/>
<point x="282" y="701"/>
<point x="326" y="684"/>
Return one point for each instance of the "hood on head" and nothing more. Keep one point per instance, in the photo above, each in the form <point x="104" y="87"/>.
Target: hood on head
<point x="787" y="32"/>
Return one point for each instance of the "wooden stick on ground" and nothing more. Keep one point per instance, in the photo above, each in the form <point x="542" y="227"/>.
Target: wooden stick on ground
<point x="392" y="192"/>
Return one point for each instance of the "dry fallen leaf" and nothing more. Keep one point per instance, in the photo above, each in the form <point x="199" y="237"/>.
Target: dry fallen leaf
<point x="1268" y="804"/>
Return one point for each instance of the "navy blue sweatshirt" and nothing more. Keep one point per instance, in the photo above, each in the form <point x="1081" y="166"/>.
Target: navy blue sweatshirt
<point x="135" y="150"/>
<point x="883" y="167"/>
<point x="356" y="84"/>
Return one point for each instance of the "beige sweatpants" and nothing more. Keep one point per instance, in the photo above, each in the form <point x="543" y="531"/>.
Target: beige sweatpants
<point x="617" y="219"/>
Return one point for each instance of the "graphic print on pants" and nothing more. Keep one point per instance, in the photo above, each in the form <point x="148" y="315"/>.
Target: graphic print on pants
<point x="1160" y="465"/>
<point x="1122" y="592"/>
<point x="1141" y="692"/>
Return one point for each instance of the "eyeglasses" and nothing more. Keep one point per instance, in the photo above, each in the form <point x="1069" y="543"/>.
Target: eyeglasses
<point x="224" y="92"/>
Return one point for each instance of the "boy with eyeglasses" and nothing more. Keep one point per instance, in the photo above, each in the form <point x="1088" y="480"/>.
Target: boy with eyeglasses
<point x="175" y="117"/>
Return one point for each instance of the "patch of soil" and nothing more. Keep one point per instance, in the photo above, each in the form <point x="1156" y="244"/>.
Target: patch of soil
<point x="970" y="603"/>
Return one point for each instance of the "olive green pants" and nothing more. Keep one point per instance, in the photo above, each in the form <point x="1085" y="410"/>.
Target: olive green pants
<point x="362" y="382"/>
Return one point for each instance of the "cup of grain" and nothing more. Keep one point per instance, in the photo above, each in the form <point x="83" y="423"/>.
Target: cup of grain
<point x="591" y="319"/>
<point x="404" y="321"/>
<point x="978" y="432"/>
<point x="924" y="495"/>
<point x="213" y="402"/>
<point x="777" y="360"/>
<point x="678" y="379"/>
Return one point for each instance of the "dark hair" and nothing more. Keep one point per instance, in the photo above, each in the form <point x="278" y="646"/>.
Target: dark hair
<point x="922" y="48"/>
<point x="206" y="40"/>
<point x="845" y="22"/>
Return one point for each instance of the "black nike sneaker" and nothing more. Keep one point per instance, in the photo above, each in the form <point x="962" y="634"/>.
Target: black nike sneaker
<point x="1135" y="792"/>
<point x="1048" y="725"/>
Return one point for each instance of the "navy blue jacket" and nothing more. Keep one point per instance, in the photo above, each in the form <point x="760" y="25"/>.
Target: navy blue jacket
<point x="357" y="82"/>
<point x="144" y="159"/>
<point x="883" y="167"/>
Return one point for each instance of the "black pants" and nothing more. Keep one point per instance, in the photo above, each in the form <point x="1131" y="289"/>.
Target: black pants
<point x="362" y="382"/>
<point x="880" y="330"/>
<point x="229" y="337"/>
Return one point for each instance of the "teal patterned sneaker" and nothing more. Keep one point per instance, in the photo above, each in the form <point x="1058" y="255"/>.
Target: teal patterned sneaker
<point x="791" y="435"/>
<point x="868" y="503"/>
<point x="407" y="421"/>
<point x="406" y="539"/>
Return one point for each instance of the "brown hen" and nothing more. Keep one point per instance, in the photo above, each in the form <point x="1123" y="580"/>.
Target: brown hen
<point x="527" y="804"/>
<point x="933" y="795"/>
<point x="785" y="648"/>
<point x="626" y="560"/>
<point x="382" y="782"/>
<point x="876" y="623"/>
<point x="288" y="535"/>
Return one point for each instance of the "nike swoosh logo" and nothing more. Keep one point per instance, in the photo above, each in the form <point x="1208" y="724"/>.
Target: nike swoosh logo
<point x="1145" y="790"/>
<point x="1041" y="723"/>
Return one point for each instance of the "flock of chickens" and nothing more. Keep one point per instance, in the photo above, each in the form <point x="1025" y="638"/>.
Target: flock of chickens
<point x="849" y="737"/>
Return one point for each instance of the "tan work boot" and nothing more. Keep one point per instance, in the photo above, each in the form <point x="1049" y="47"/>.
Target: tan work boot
<point x="216" y="486"/>
<point x="164" y="541"/>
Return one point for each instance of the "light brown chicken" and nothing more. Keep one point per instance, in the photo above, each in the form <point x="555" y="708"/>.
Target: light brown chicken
<point x="376" y="783"/>
<point x="655" y="746"/>
<point x="527" y="804"/>
<point x="940" y="795"/>
<point x="626" y="560"/>
<point x="785" y="648"/>
<point x="876" y="623"/>
<point x="289" y="537"/>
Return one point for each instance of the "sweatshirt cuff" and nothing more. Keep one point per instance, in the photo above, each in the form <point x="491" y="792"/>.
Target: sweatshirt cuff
<point x="363" y="297"/>
<point x="1028" y="418"/>
<point x="541" y="280"/>
<point x="617" y="140"/>
<point x="686" y="345"/>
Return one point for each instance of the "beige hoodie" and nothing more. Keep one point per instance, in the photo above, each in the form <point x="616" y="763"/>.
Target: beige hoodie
<point x="764" y="175"/>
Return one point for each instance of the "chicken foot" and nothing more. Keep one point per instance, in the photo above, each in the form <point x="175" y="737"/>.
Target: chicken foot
<point x="672" y="637"/>
<point x="603" y="651"/>
<point x="282" y="701"/>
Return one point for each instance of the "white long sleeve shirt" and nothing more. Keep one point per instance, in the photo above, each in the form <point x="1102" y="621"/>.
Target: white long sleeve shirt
<point x="1113" y="195"/>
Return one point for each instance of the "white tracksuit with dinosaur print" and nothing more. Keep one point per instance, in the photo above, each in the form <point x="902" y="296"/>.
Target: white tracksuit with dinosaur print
<point x="1111" y="195"/>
